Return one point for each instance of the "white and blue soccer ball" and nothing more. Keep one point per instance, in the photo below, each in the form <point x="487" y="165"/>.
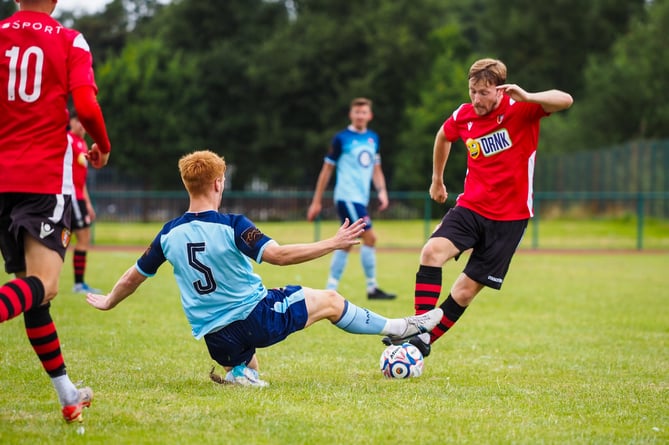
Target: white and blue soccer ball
<point x="401" y="361"/>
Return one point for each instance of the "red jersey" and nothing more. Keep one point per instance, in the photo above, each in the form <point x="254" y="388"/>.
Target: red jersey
<point x="502" y="147"/>
<point x="41" y="62"/>
<point x="79" y="164"/>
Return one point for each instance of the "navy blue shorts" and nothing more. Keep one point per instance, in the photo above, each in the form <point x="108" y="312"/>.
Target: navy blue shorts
<point x="493" y="243"/>
<point x="353" y="211"/>
<point x="282" y="312"/>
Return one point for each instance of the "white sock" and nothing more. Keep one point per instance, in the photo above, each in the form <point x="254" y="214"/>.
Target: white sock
<point x="67" y="392"/>
<point x="395" y="326"/>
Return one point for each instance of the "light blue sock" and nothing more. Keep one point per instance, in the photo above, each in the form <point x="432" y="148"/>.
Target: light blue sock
<point x="337" y="265"/>
<point x="357" y="320"/>
<point x="368" y="260"/>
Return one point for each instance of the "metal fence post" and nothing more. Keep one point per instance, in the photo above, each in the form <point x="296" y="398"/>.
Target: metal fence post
<point x="535" y="224"/>
<point x="639" y="220"/>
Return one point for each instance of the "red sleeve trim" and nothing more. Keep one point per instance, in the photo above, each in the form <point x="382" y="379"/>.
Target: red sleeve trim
<point x="90" y="115"/>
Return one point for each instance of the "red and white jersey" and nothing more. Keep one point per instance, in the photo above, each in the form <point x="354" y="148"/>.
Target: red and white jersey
<point x="41" y="62"/>
<point x="502" y="148"/>
<point x="79" y="164"/>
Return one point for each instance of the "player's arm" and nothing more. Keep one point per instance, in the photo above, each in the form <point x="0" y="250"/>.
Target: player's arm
<point x="550" y="100"/>
<point x="90" y="115"/>
<point x="347" y="235"/>
<point x="89" y="204"/>
<point x="379" y="181"/>
<point x="441" y="150"/>
<point x="124" y="287"/>
<point x="323" y="180"/>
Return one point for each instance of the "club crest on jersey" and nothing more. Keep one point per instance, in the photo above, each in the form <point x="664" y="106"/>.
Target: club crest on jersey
<point x="365" y="158"/>
<point x="65" y="237"/>
<point x="251" y="236"/>
<point x="500" y="118"/>
<point x="490" y="144"/>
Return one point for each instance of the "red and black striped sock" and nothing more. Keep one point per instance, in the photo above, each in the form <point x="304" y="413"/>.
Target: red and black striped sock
<point x="44" y="339"/>
<point x="427" y="289"/>
<point x="20" y="295"/>
<point x="79" y="265"/>
<point x="452" y="312"/>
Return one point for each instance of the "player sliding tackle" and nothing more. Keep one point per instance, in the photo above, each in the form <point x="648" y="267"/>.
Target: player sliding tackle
<point x="225" y="302"/>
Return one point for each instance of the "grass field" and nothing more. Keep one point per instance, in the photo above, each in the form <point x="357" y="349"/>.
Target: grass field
<point x="574" y="349"/>
<point x="575" y="234"/>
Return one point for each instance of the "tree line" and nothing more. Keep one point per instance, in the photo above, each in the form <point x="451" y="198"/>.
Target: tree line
<point x="267" y="83"/>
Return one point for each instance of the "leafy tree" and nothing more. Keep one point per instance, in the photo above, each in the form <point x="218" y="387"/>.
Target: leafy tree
<point x="547" y="44"/>
<point x="109" y="31"/>
<point x="149" y="99"/>
<point x="442" y="92"/>
<point x="7" y="8"/>
<point x="624" y="97"/>
<point x="308" y="72"/>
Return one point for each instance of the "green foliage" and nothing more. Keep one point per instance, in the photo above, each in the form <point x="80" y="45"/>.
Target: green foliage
<point x="443" y="91"/>
<point x="7" y="8"/>
<point x="546" y="44"/>
<point x="268" y="88"/>
<point x="148" y="96"/>
<point x="627" y="83"/>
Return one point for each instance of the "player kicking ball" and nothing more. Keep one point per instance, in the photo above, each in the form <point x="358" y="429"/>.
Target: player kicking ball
<point x="224" y="301"/>
<point x="500" y="128"/>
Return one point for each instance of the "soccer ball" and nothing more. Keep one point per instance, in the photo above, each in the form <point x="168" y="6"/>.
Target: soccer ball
<point x="401" y="361"/>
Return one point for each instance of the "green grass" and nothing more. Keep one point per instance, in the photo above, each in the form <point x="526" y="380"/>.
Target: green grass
<point x="614" y="234"/>
<point x="574" y="349"/>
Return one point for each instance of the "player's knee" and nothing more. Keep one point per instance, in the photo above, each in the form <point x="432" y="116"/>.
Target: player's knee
<point x="334" y="300"/>
<point x="437" y="251"/>
<point x="50" y="289"/>
<point x="369" y="238"/>
<point x="431" y="256"/>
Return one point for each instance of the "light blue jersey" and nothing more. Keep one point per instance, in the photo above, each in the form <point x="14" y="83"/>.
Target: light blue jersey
<point x="211" y="255"/>
<point x="354" y="154"/>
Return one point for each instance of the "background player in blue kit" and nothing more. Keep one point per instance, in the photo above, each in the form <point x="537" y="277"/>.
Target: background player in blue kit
<point x="354" y="153"/>
<point x="224" y="300"/>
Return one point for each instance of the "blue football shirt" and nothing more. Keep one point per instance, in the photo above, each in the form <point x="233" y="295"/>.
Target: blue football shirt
<point x="211" y="254"/>
<point x="354" y="154"/>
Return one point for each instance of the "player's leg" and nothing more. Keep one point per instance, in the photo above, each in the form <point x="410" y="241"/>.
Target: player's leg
<point x="80" y="259"/>
<point x="487" y="266"/>
<point x="46" y="264"/>
<point x="462" y="293"/>
<point x="368" y="252"/>
<point x="427" y="289"/>
<point x="330" y="305"/>
<point x="82" y="232"/>
<point x="22" y="293"/>
<point x="456" y="233"/>
<point x="340" y="257"/>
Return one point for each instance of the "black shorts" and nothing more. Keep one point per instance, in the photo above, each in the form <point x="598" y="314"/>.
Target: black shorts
<point x="80" y="217"/>
<point x="493" y="243"/>
<point x="45" y="217"/>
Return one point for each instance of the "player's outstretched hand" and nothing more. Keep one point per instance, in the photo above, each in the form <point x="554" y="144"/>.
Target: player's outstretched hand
<point x="349" y="234"/>
<point x="96" y="157"/>
<point x="98" y="301"/>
